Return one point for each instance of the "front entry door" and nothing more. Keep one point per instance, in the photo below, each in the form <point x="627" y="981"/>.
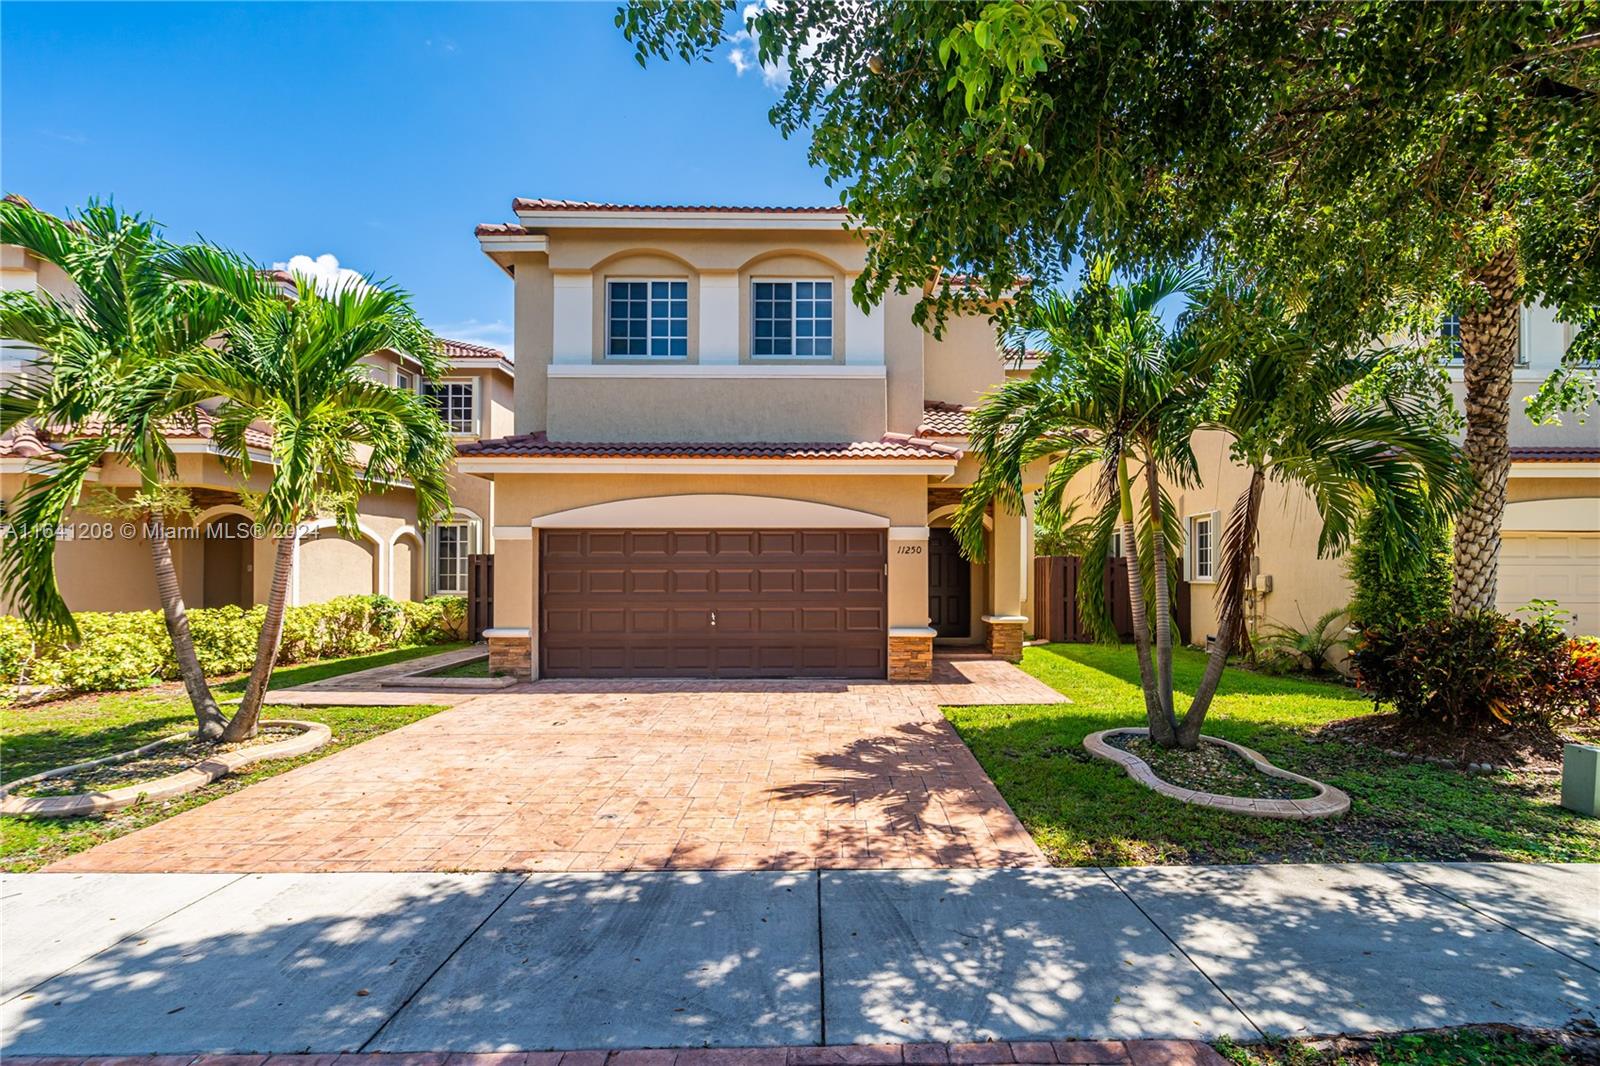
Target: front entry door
<point x="949" y="586"/>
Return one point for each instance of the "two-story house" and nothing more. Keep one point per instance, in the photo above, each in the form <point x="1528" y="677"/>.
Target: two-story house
<point x="722" y="466"/>
<point x="103" y="562"/>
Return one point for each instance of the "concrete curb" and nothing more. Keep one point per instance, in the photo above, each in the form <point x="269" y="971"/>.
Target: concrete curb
<point x="1329" y="802"/>
<point x="312" y="735"/>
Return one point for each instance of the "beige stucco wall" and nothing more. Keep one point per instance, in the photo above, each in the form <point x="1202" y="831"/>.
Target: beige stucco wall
<point x="964" y="362"/>
<point x="331" y="565"/>
<point x="665" y="408"/>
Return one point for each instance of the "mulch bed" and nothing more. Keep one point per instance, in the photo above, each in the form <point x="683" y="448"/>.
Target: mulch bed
<point x="1458" y="1046"/>
<point x="1210" y="769"/>
<point x="1527" y="748"/>
<point x="167" y="759"/>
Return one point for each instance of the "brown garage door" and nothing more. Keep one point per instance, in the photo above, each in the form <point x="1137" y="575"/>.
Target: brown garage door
<point x="713" y="603"/>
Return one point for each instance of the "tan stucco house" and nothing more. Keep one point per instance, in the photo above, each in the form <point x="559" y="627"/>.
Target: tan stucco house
<point x="104" y="568"/>
<point x="722" y="466"/>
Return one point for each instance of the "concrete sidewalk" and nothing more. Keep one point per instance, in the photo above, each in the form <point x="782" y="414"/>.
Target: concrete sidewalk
<point x="125" y="964"/>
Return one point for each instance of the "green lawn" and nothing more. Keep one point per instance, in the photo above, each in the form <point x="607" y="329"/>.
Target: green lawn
<point x="39" y="738"/>
<point x="1086" y="812"/>
<point x="470" y="668"/>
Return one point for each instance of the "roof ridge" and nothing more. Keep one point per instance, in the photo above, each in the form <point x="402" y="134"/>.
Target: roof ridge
<point x="524" y="203"/>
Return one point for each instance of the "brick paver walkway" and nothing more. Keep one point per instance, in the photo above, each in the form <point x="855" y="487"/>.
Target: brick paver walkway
<point x="1019" y="1052"/>
<point x="629" y="775"/>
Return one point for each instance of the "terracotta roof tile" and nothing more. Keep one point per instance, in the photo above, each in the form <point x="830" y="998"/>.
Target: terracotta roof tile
<point x="29" y="440"/>
<point x="25" y="441"/>
<point x="1555" y="455"/>
<point x="468" y="350"/>
<point x="522" y="203"/>
<point x="539" y="446"/>
<point x="941" y="419"/>
<point x="496" y="229"/>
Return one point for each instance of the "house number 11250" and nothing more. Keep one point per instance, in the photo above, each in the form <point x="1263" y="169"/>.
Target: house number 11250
<point x="908" y="549"/>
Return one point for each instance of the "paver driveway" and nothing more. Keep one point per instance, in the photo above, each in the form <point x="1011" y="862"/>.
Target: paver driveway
<point x="568" y="775"/>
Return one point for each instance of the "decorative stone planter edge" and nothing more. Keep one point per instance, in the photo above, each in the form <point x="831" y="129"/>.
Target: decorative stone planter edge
<point x="1329" y="802"/>
<point x="312" y="735"/>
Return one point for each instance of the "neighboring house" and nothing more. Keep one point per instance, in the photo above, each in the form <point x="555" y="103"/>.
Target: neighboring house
<point x="723" y="467"/>
<point x="1550" y="544"/>
<point x="104" y="568"/>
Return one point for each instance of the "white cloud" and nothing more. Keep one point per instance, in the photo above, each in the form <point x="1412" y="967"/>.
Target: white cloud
<point x="745" y="50"/>
<point x="324" y="272"/>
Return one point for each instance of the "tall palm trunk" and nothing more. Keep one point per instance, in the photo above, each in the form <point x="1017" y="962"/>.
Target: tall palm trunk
<point x="1160" y="722"/>
<point x="243" y="724"/>
<point x="1238" y="547"/>
<point x="208" y="716"/>
<point x="1161" y="589"/>
<point x="1489" y="355"/>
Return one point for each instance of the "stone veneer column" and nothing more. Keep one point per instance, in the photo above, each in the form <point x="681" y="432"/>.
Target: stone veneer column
<point x="910" y="654"/>
<point x="1005" y="635"/>
<point x="510" y="652"/>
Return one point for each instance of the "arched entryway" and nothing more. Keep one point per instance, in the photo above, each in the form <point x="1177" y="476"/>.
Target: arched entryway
<point x="229" y="573"/>
<point x="957" y="586"/>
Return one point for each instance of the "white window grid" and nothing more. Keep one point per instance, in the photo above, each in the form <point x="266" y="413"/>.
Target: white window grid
<point x="452" y="547"/>
<point x="647" y="318"/>
<point x="791" y="319"/>
<point x="457" y="404"/>
<point x="1203" y="548"/>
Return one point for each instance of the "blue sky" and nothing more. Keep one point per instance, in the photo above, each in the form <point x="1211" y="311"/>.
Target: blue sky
<point x="379" y="133"/>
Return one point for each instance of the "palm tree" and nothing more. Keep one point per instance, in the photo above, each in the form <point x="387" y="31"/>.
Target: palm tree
<point x="1352" y="430"/>
<point x="105" y="382"/>
<point x="293" y="365"/>
<point x="1115" y="389"/>
<point x="1111" y="385"/>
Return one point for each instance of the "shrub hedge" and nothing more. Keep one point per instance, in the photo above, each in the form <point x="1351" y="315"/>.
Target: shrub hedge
<point x="131" y="649"/>
<point x="1467" y="671"/>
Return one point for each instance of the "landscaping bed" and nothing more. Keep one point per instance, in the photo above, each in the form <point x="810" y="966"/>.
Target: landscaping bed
<point x="1083" y="811"/>
<point x="169" y="757"/>
<point x="1488" y="1045"/>
<point x="1532" y="749"/>
<point x="1210" y="768"/>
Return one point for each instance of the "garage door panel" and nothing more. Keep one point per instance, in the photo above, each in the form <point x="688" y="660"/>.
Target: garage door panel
<point x="692" y="581"/>
<point x="646" y="620"/>
<point x="1564" y="567"/>
<point x="787" y="602"/>
<point x="862" y="542"/>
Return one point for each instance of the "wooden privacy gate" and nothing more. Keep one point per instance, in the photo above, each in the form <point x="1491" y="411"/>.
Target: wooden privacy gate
<point x="480" y="595"/>
<point x="1055" y="582"/>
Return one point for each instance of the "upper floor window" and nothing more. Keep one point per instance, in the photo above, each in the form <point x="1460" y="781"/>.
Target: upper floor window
<point x="1450" y="335"/>
<point x="647" y="318"/>
<point x="792" y="318"/>
<point x="456" y="402"/>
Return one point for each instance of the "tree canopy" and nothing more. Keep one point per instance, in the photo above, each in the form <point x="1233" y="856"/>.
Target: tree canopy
<point x="1356" y="155"/>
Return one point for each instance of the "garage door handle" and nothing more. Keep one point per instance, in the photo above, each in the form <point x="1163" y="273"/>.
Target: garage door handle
<point x="713" y="619"/>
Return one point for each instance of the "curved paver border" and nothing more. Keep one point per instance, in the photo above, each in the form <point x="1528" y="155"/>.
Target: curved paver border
<point x="311" y="736"/>
<point x="1329" y="802"/>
